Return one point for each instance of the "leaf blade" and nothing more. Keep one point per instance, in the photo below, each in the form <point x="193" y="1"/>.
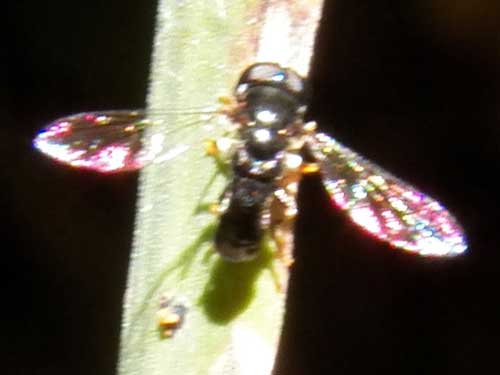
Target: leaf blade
<point x="234" y="311"/>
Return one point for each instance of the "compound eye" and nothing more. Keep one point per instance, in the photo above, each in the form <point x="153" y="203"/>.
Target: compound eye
<point x="294" y="82"/>
<point x="264" y="73"/>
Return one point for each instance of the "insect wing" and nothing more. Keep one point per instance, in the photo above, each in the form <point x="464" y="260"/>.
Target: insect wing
<point x="109" y="141"/>
<point x="380" y="203"/>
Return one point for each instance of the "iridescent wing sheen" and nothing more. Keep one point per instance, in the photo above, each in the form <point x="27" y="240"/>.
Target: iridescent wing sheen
<point x="383" y="205"/>
<point x="106" y="142"/>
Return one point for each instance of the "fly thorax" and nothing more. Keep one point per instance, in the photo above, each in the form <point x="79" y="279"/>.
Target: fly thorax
<point x="263" y="143"/>
<point x="268" y="107"/>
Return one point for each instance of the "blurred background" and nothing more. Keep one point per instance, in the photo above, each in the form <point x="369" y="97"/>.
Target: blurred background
<point x="413" y="85"/>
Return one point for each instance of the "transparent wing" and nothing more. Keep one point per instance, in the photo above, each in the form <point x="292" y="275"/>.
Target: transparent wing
<point x="110" y="141"/>
<point x="383" y="205"/>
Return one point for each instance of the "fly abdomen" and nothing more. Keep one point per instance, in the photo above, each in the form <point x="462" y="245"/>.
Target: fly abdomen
<point x="240" y="227"/>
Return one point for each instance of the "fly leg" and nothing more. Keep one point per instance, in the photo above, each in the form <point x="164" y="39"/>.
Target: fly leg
<point x="220" y="151"/>
<point x="281" y="231"/>
<point x="283" y="210"/>
<point x="284" y="207"/>
<point x="283" y="213"/>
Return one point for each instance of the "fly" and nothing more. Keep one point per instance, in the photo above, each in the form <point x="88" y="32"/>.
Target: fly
<point x="271" y="148"/>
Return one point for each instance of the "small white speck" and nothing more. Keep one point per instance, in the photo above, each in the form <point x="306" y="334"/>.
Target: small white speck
<point x="293" y="161"/>
<point x="266" y="116"/>
<point x="262" y="135"/>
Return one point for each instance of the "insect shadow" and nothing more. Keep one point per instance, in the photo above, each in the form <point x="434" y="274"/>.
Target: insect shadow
<point x="231" y="286"/>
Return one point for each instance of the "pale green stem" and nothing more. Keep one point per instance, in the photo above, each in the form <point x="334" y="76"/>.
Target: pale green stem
<point x="234" y="311"/>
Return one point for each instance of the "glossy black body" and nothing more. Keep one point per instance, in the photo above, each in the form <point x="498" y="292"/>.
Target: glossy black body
<point x="270" y="102"/>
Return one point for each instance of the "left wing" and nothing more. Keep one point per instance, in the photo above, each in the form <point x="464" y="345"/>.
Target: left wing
<point x="108" y="141"/>
<point x="116" y="141"/>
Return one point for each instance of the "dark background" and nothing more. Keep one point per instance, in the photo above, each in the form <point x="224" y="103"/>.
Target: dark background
<point x="413" y="85"/>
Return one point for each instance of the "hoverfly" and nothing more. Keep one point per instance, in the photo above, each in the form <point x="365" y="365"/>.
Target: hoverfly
<point x="272" y="146"/>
